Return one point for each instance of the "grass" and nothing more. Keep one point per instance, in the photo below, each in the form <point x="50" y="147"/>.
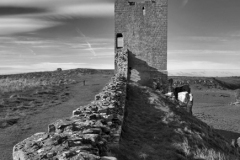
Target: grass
<point x="9" y="118"/>
<point x="155" y="129"/>
<point x="12" y="85"/>
<point x="20" y="82"/>
<point x="229" y="82"/>
<point x="225" y="82"/>
<point x="40" y="112"/>
<point x="11" y="88"/>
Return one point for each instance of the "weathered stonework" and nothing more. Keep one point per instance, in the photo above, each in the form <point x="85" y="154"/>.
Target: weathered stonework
<point x="87" y="134"/>
<point x="142" y="26"/>
<point x="140" y="56"/>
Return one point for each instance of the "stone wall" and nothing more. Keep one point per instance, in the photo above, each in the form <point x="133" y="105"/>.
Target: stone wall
<point x="143" y="27"/>
<point x="141" y="57"/>
<point x="91" y="129"/>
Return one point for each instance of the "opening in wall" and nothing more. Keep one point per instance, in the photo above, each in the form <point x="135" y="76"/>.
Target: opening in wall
<point x="144" y="11"/>
<point x="119" y="40"/>
<point x="131" y="3"/>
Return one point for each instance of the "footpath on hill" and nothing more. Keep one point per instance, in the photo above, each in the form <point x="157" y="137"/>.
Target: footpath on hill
<point x="79" y="95"/>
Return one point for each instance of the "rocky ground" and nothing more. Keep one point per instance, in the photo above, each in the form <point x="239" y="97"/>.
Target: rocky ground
<point x="26" y="112"/>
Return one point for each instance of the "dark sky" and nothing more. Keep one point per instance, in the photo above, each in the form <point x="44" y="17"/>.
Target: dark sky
<point x="38" y="35"/>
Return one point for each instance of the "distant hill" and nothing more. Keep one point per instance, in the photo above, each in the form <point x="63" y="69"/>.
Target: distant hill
<point x="205" y="72"/>
<point x="229" y="82"/>
<point x="210" y="82"/>
<point x="49" y="73"/>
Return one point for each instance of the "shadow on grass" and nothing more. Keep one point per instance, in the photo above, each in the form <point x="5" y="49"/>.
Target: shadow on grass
<point x="6" y="122"/>
<point x="162" y="131"/>
<point x="144" y="135"/>
<point x="228" y="134"/>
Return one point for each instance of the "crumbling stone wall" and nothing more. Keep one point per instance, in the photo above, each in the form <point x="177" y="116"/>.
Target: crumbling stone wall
<point x="142" y="25"/>
<point x="121" y="61"/>
<point x="87" y="134"/>
<point x="141" y="56"/>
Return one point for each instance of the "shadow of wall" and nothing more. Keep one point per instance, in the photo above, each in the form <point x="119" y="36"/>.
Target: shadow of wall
<point x="141" y="30"/>
<point x="142" y="73"/>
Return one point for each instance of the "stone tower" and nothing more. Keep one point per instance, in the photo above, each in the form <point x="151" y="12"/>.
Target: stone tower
<point x="141" y="31"/>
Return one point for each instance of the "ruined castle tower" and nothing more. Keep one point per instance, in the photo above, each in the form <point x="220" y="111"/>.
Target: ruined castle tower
<point x="141" y="31"/>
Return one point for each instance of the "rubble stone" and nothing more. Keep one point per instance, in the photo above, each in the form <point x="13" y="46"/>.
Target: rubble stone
<point x="86" y="134"/>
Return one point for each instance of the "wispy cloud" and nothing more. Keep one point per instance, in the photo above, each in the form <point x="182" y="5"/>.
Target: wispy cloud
<point x="8" y="53"/>
<point x="38" y="35"/>
<point x="49" y="3"/>
<point x="201" y="38"/>
<point x="101" y="48"/>
<point x="203" y="59"/>
<point x="205" y="72"/>
<point x="235" y="34"/>
<point x="13" y="25"/>
<point x="181" y="64"/>
<point x="14" y="10"/>
<point x="28" y="48"/>
<point x="89" y="45"/>
<point x="62" y="8"/>
<point x="86" y="10"/>
<point x="203" y="52"/>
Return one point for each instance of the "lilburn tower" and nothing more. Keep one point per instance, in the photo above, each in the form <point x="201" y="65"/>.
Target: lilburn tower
<point x="141" y="32"/>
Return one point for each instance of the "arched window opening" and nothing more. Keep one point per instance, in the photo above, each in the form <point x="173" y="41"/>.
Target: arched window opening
<point x="144" y="11"/>
<point x="119" y="40"/>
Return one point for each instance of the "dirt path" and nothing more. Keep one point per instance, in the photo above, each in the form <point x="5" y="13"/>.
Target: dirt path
<point x="80" y="95"/>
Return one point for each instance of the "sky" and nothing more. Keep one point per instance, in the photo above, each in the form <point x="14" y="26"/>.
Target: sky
<point x="204" y="35"/>
<point x="40" y="35"/>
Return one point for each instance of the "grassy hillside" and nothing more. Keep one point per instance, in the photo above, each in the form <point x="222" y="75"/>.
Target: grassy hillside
<point x="229" y="82"/>
<point x="218" y="82"/>
<point x="156" y="128"/>
<point x="18" y="82"/>
<point x="23" y="94"/>
<point x="29" y="102"/>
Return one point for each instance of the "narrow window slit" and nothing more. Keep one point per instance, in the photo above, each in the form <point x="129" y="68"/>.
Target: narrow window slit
<point x="119" y="40"/>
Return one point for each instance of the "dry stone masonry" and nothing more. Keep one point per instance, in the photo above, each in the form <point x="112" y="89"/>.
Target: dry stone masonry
<point x="140" y="56"/>
<point x="87" y="134"/>
<point x="121" y="60"/>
